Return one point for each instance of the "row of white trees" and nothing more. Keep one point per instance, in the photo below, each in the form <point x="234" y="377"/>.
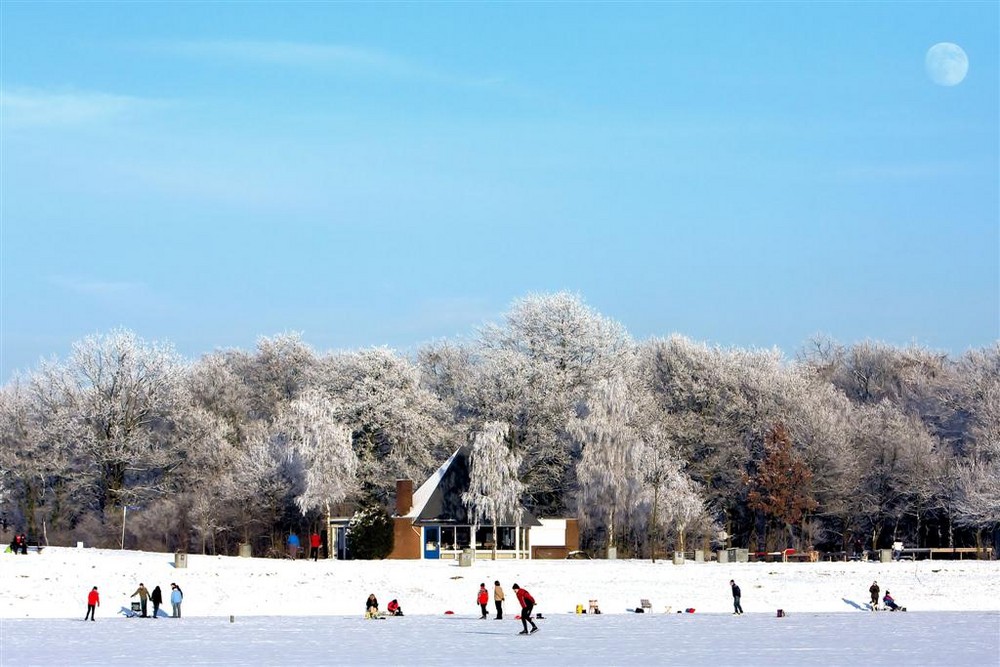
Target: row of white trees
<point x="651" y="444"/>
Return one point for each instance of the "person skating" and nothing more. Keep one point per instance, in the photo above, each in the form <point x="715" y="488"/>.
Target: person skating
<point x="482" y="597"/>
<point x="93" y="602"/>
<point x="156" y="597"/>
<point x="527" y="604"/>
<point x="737" y="607"/>
<point x="498" y="598"/>
<point x="874" y="589"/>
<point x="143" y="597"/>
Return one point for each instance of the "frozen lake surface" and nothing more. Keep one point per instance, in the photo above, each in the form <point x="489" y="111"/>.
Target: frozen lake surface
<point x="884" y="638"/>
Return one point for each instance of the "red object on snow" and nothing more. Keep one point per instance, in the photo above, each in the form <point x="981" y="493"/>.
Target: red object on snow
<point x="690" y="610"/>
<point x="449" y="612"/>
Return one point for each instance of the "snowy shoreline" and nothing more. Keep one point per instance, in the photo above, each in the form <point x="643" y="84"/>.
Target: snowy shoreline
<point x="54" y="584"/>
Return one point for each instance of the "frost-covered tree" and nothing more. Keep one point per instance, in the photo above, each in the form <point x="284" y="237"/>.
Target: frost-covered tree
<point x="35" y="464"/>
<point x="495" y="491"/>
<point x="323" y="445"/>
<point x="658" y="469"/>
<point x="977" y="503"/>
<point x="275" y="373"/>
<point x="396" y="424"/>
<point x="256" y="480"/>
<point x="901" y="472"/>
<point x="125" y="394"/>
<point x="537" y="366"/>
<point x="609" y="468"/>
<point x="684" y="507"/>
<point x="559" y="330"/>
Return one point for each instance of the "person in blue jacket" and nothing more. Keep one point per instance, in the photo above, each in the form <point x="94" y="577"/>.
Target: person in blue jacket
<point x="293" y="546"/>
<point x="176" y="596"/>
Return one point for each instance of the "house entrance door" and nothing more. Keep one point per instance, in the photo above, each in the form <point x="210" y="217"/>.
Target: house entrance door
<point x="432" y="542"/>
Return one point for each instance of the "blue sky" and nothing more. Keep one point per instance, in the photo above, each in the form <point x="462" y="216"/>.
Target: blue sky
<point x="746" y="174"/>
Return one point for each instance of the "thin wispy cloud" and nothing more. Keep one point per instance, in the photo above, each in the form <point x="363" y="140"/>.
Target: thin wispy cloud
<point x="340" y="58"/>
<point x="103" y="290"/>
<point x="27" y="107"/>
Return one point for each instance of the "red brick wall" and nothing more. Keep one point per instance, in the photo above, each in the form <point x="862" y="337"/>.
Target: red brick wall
<point x="406" y="545"/>
<point x="404" y="496"/>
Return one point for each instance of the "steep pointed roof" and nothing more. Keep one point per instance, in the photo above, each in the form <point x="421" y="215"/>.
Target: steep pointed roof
<point x="439" y="499"/>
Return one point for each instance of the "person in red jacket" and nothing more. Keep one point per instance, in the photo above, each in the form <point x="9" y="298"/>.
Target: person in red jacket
<point x="527" y="604"/>
<point x="93" y="602"/>
<point x="482" y="597"/>
<point x="314" y="543"/>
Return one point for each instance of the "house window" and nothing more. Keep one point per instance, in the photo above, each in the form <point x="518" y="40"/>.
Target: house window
<point x="448" y="537"/>
<point x="505" y="537"/>
<point x="484" y="538"/>
<point x="463" y="537"/>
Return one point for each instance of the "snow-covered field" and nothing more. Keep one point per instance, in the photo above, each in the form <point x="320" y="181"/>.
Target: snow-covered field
<point x="257" y="612"/>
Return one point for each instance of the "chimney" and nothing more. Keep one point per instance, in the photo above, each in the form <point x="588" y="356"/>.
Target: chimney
<point x="404" y="496"/>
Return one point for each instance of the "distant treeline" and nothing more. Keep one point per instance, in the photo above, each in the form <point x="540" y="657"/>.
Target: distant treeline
<point x="659" y="444"/>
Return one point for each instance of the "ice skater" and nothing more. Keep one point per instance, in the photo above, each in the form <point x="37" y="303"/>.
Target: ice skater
<point x="527" y="604"/>
<point x="93" y="602"/>
<point x="737" y="607"/>
<point x="482" y="597"/>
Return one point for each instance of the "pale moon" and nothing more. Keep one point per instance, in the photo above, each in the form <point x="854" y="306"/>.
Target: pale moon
<point x="946" y="64"/>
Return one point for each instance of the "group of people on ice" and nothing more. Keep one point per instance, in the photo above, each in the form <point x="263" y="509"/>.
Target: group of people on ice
<point x="524" y="599"/>
<point x="887" y="599"/>
<point x="145" y="596"/>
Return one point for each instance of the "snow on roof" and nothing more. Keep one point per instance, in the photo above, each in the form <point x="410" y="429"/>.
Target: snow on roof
<point x="422" y="495"/>
<point x="439" y="499"/>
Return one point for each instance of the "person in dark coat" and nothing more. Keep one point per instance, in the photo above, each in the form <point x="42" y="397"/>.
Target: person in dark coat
<point x="874" y="589"/>
<point x="371" y="606"/>
<point x="93" y="602"/>
<point x="156" y="597"/>
<point x="527" y="604"/>
<point x="737" y="607"/>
